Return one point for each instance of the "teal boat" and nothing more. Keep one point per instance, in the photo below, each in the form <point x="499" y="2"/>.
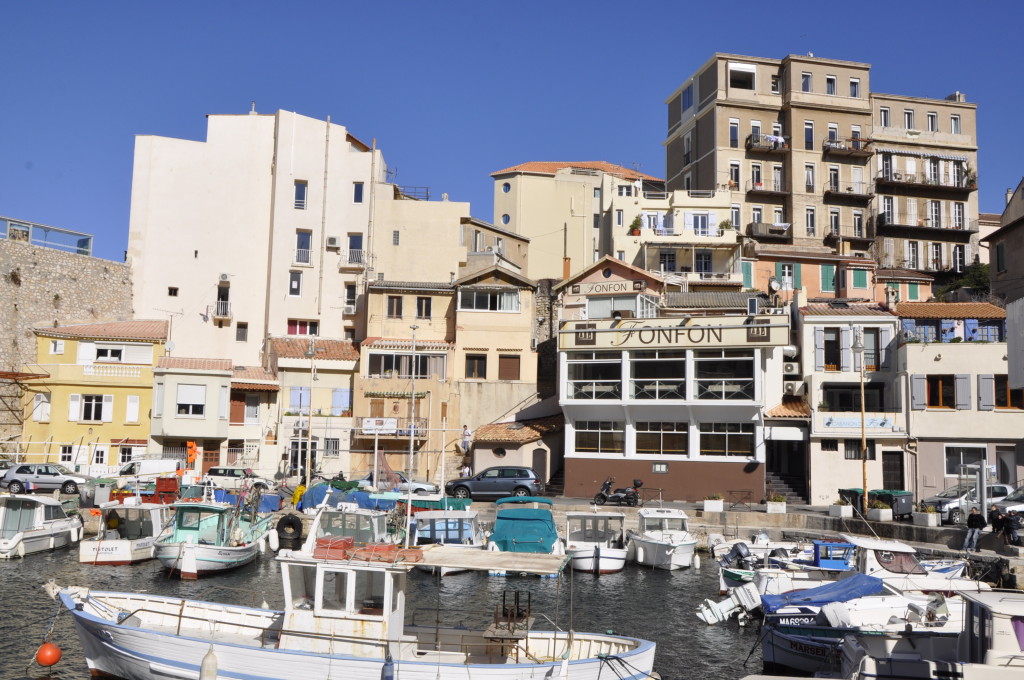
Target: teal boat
<point x="522" y="529"/>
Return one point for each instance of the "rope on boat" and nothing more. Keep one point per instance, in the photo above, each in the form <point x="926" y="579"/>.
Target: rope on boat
<point x="628" y="668"/>
<point x="49" y="631"/>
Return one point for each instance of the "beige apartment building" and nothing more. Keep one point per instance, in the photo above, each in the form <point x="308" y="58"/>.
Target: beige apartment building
<point x="818" y="163"/>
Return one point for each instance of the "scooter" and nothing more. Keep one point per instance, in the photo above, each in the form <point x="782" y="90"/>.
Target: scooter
<point x="630" y="495"/>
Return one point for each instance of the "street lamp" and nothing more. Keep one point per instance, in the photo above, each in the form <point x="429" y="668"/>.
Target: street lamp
<point x="310" y="353"/>
<point x="412" y="434"/>
<point x="858" y="350"/>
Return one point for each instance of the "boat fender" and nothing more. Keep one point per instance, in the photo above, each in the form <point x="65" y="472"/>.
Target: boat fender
<point x="696" y="561"/>
<point x="387" y="671"/>
<point x="290" y="527"/>
<point x="274" y="540"/>
<point x="640" y="554"/>
<point x="208" y="667"/>
<point x="262" y="544"/>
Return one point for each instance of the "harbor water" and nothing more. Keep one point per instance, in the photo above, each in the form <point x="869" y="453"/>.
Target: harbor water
<point x="652" y="604"/>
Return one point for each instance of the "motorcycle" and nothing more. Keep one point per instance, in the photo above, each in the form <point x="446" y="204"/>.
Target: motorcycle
<point x="629" y="495"/>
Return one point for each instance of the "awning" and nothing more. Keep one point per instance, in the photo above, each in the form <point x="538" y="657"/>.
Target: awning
<point x="922" y="154"/>
<point x="255" y="387"/>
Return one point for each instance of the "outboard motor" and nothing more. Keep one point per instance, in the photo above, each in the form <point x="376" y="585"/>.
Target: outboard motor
<point x="739" y="553"/>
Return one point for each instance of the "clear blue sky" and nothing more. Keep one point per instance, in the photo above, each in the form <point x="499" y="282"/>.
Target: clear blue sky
<point x="452" y="91"/>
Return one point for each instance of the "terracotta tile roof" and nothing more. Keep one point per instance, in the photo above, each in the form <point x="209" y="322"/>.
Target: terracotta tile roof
<point x="326" y="349"/>
<point x="896" y="273"/>
<point x="791" y="407"/>
<point x="949" y="310"/>
<point x="248" y="373"/>
<point x="119" y="330"/>
<point x="850" y="309"/>
<point x="412" y="285"/>
<point x="194" y="364"/>
<point x="520" y="432"/>
<point x="551" y="167"/>
<point x="709" y="300"/>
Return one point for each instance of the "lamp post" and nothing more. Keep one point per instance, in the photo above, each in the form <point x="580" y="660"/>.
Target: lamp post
<point x="412" y="434"/>
<point x="311" y="353"/>
<point x="858" y="351"/>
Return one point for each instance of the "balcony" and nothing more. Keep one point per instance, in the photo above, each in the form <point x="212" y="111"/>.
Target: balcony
<point x="771" y="230"/>
<point x="866" y="234"/>
<point x="352" y="259"/>
<point x="705" y="277"/>
<point x="770" y="144"/>
<point x="392" y="428"/>
<point x="928" y="181"/>
<point x="131" y="373"/>
<point x="770" y="187"/>
<point x="222" y="310"/>
<point x="658" y="389"/>
<point x="896" y="221"/>
<point x="846" y="424"/>
<point x="849" y="147"/>
<point x="302" y="256"/>
<point x="595" y="389"/>
<point x="854" y="191"/>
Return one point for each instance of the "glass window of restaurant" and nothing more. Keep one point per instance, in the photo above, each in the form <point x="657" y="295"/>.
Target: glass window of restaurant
<point x="724" y="374"/>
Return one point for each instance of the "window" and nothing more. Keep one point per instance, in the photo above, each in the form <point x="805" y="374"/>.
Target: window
<point x="805" y="82"/>
<point x="954" y="124"/>
<point x="908" y="119"/>
<point x="302" y="327"/>
<point x="724" y="374"/>
<point x="1006" y="397"/>
<point x="829" y="444"/>
<point x="776" y="86"/>
<point x="755" y="129"/>
<point x="727" y="439"/>
<point x="830" y="85"/>
<point x="598" y="436"/>
<point x="332" y="447"/>
<point x="833" y="132"/>
<point x="56" y="347"/>
<point x="958" y="216"/>
<point x="734" y="174"/>
<point x="125" y="454"/>
<point x="734" y="133"/>
<point x="66" y="453"/>
<point x="860" y="278"/>
<point x="400" y="365"/>
<point x="855" y="87"/>
<point x="809" y="221"/>
<point x="476" y="366"/>
<point x="423" y="307"/>
<point x="508" y="367"/>
<point x="395" y="237"/>
<point x="828" y="278"/>
<point x="658" y="438"/>
<point x="845" y="397"/>
<point x="252" y="409"/>
<point x="852" y="449"/>
<point x="958" y="456"/>
<point x="658" y="374"/>
<point x="1000" y="257"/>
<point x="941" y="391"/>
<point x="301" y="189"/>
<point x="394" y="306"/>
<point x="357" y="192"/>
<point x="809" y="177"/>
<point x="832" y="349"/>
<point x="625" y="190"/>
<point x="833" y="178"/>
<point x="618" y="218"/>
<point x="932" y="120"/>
<point x="294" y="284"/>
<point x="241" y="332"/>
<point x="871" y="338"/>
<point x="620" y="255"/>
<point x="191" y="400"/>
<point x="687" y="149"/>
<point x="734" y="215"/>
<point x="303" y="241"/>
<point x="172" y="291"/>
<point x="756" y="213"/>
<point x="755" y="175"/>
<point x="700" y="224"/>
<point x="485" y="300"/>
<point x="687" y="98"/>
<point x="666" y="260"/>
<point x="833" y="222"/>
<point x="809" y="135"/>
<point x="858" y="224"/>
<point x="741" y="76"/>
<point x="913" y="254"/>
<point x="506" y="187"/>
<point x="109" y="354"/>
<point x="913" y="292"/>
<point x="884" y="118"/>
<point x="936" y="256"/>
<point x="350" y="294"/>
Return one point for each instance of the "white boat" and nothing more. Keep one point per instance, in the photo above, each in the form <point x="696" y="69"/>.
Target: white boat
<point x="209" y="537"/>
<point x="990" y="646"/>
<point x="127" y="533"/>
<point x="342" y="620"/>
<point x="455" y="528"/>
<point x="31" y="524"/>
<point x="344" y="521"/>
<point x="596" y="541"/>
<point x="663" y="539"/>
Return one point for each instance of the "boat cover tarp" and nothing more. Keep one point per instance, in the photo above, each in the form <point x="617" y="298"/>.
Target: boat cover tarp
<point x="315" y="496"/>
<point x="443" y="504"/>
<point x="843" y="590"/>
<point x="529" y="530"/>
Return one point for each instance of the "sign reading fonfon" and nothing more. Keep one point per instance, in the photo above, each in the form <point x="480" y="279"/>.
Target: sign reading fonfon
<point x="638" y="333"/>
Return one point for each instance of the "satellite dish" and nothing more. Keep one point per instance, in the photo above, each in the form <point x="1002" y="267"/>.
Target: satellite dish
<point x="773" y="284"/>
<point x="170" y="346"/>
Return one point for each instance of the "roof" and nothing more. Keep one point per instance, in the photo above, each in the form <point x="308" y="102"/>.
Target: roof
<point x="411" y="285"/>
<point x="709" y="300"/>
<point x="295" y="347"/>
<point x="897" y="273"/>
<point x="601" y="264"/>
<point x="949" y="310"/>
<point x="495" y="269"/>
<point x="119" y="330"/>
<point x="845" y="309"/>
<point x="194" y="364"/>
<point x="520" y="431"/>
<point x="496" y="228"/>
<point x="253" y="378"/>
<point x="791" y="407"/>
<point x="551" y="167"/>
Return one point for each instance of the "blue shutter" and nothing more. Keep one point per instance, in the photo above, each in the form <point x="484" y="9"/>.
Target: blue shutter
<point x="947" y="330"/>
<point x="962" y="382"/>
<point x="909" y="329"/>
<point x="970" y="329"/>
<point x="846" y="355"/>
<point x="819" y="349"/>
<point x="885" y="340"/>
<point x="986" y="392"/>
<point x="912" y="291"/>
<point x="918" y="392"/>
<point x="748" y="274"/>
<point x="298" y="400"/>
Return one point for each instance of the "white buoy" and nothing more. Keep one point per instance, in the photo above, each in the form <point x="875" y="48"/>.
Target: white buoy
<point x="208" y="667"/>
<point x="274" y="540"/>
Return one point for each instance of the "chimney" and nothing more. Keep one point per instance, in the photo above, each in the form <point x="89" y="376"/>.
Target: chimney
<point x="1009" y="196"/>
<point x="957" y="96"/>
<point x="566" y="268"/>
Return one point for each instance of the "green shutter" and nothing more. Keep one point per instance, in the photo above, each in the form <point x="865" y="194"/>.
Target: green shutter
<point x="860" y="278"/>
<point x="748" y="274"/>
<point x="912" y="291"/>
<point x="796" y="276"/>
<point x="778" y="271"/>
<point x="828" y="278"/>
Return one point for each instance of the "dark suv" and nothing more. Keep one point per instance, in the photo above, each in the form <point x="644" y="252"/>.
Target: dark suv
<point x="497" y="482"/>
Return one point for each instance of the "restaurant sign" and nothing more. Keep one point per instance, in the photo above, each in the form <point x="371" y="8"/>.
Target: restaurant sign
<point x="738" y="331"/>
<point x="608" y="287"/>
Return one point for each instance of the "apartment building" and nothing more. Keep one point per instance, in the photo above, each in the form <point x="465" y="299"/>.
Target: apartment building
<point x="1006" y="274"/>
<point x="820" y="164"/>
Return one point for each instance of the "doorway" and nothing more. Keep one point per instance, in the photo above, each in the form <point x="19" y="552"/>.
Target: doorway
<point x="892" y="470"/>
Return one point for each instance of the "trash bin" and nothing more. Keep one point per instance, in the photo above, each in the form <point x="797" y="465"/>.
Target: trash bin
<point x="853" y="497"/>
<point x="901" y="502"/>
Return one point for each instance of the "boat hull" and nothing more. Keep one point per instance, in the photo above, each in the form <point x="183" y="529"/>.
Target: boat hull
<point x="663" y="555"/>
<point x="191" y="561"/>
<point x="783" y="652"/>
<point x="116" y="552"/>
<point x="597" y="560"/>
<point x="37" y="541"/>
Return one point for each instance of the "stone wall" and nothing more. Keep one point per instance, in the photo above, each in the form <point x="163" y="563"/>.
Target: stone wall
<point x="47" y="287"/>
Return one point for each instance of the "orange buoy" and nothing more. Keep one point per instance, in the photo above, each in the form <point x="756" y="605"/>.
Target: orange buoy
<point x="48" y="654"/>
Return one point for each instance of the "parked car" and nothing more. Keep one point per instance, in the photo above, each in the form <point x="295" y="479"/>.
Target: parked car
<point x="234" y="478"/>
<point x="1013" y="501"/>
<point x="955" y="502"/>
<point x="42" y="476"/>
<point x="403" y="484"/>
<point x="497" y="482"/>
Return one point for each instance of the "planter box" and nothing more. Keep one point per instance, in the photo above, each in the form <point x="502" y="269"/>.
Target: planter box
<point x="840" y="511"/>
<point x="927" y="519"/>
<point x="714" y="505"/>
<point x="880" y="515"/>
<point x="774" y="508"/>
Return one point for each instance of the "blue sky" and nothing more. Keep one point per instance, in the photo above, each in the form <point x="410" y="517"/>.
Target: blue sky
<point x="452" y="91"/>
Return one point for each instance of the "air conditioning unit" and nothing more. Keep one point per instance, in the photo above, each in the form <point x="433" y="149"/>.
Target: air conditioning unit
<point x="791" y="368"/>
<point x="490" y="249"/>
<point x="350" y="309"/>
<point x="779" y="311"/>
<point x="333" y="242"/>
<point x="225" y="277"/>
<point x="793" y="387"/>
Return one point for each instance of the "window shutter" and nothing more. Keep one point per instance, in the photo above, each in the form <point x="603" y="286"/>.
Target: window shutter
<point x="796" y="276"/>
<point x="912" y="292"/>
<point x="74" y="407"/>
<point x="885" y="340"/>
<point x="962" y="381"/>
<point x="819" y="349"/>
<point x="778" y="271"/>
<point x="108" y="408"/>
<point x="712" y="224"/>
<point x="132" y="412"/>
<point x="748" y="274"/>
<point x="688" y="221"/>
<point x="828" y="278"/>
<point x="508" y="368"/>
<point x="224" y="399"/>
<point x="41" y="408"/>
<point x="158" y="400"/>
<point x="846" y="355"/>
<point x="986" y="392"/>
<point x="970" y="329"/>
<point x="947" y="330"/>
<point x="918" y="392"/>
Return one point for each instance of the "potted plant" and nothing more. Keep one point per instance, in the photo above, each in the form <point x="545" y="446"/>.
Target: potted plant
<point x="713" y="503"/>
<point x="879" y="511"/>
<point x="840" y="508"/>
<point x="926" y="516"/>
<point x="776" y="504"/>
<point x="725" y="225"/>
<point x="634" y="226"/>
<point x="823" y="405"/>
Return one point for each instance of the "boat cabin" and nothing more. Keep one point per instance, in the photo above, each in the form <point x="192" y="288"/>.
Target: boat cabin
<point x="347" y="520"/>
<point x="600" y="528"/>
<point x="993" y="630"/>
<point x="131" y="522"/>
<point x="837" y="555"/>
<point x="662" y="519"/>
<point x="880" y="556"/>
<point x="200" y="523"/>
<point x="446" y="526"/>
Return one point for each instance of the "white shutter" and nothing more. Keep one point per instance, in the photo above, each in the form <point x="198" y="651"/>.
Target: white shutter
<point x="911" y="165"/>
<point x="86" y="352"/>
<point x="712" y="224"/>
<point x="158" y="400"/>
<point x="41" y="408"/>
<point x="138" y="353"/>
<point x="132" y="412"/>
<point x="223" y="402"/>
<point x="108" y="408"/>
<point x="192" y="394"/>
<point x="688" y="221"/>
<point x="967" y="255"/>
<point x="74" y="407"/>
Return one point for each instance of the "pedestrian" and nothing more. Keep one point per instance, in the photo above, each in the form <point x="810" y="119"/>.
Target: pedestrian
<point x="1013" y="522"/>
<point x="467" y="438"/>
<point x="993" y="519"/>
<point x="465" y="470"/>
<point x="975" y="523"/>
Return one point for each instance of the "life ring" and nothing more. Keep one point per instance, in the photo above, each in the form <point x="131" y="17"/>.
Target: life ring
<point x="289" y="527"/>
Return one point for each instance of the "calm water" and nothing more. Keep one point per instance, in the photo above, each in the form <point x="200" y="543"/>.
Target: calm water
<point x="655" y="605"/>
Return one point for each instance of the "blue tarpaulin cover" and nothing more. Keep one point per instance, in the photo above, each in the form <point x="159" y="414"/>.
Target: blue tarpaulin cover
<point x="525" y="530"/>
<point x="843" y="590"/>
<point x="315" y="496"/>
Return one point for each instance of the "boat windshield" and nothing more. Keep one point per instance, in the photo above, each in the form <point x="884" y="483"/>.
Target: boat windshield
<point x="19" y="515"/>
<point x="954" y="491"/>
<point x="362" y="528"/>
<point x="130" y="523"/>
<point x="199" y="522"/>
<point x="443" y="531"/>
<point x="899" y="562"/>
<point x="593" y="529"/>
<point x="664" y="524"/>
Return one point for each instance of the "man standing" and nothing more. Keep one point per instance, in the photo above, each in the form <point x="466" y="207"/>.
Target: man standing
<point x="975" y="523"/>
<point x="1012" y="527"/>
<point x="467" y="438"/>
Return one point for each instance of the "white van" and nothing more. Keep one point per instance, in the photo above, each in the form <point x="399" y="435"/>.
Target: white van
<point x="150" y="467"/>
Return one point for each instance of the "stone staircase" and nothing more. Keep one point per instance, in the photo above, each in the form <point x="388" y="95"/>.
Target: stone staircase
<point x="793" y="487"/>
<point x="556" y="486"/>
